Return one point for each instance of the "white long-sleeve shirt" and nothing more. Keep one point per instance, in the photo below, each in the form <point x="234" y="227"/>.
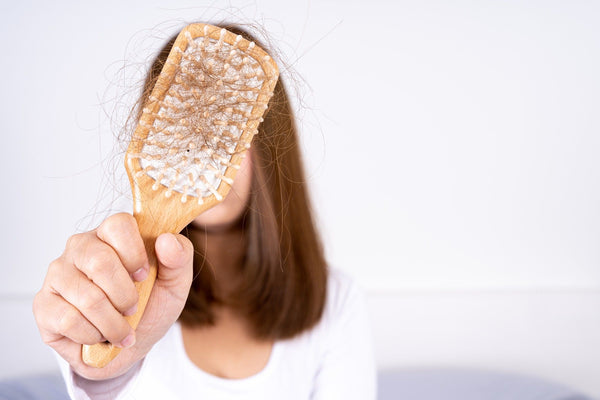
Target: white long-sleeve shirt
<point x="334" y="360"/>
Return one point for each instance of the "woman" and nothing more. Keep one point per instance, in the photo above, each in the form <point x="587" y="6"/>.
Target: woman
<point x="244" y="305"/>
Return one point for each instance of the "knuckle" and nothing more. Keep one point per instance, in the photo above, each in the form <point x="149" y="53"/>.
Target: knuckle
<point x="116" y="225"/>
<point x="55" y="267"/>
<point x="97" y="263"/>
<point x="74" y="241"/>
<point x="68" y="322"/>
<point x="93" y="300"/>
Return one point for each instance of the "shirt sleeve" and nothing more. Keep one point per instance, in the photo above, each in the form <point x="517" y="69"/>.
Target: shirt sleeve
<point x="347" y="369"/>
<point x="80" y="388"/>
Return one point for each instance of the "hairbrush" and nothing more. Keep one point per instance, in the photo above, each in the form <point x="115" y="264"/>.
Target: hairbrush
<point x="190" y="140"/>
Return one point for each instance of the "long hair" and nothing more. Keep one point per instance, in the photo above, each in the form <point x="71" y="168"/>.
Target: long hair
<point x="284" y="273"/>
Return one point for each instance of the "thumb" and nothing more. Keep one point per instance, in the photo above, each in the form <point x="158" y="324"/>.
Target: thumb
<point x="175" y="255"/>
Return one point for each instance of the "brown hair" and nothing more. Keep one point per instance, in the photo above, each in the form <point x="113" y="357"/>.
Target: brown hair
<point x="284" y="273"/>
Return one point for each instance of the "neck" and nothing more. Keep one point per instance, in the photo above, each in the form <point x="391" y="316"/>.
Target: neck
<point x="224" y="252"/>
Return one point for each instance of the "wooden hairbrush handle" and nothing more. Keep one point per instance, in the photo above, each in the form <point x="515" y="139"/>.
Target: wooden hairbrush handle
<point x="100" y="354"/>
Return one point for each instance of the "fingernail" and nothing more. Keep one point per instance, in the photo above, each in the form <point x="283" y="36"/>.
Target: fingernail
<point x="128" y="341"/>
<point x="174" y="239"/>
<point x="131" y="311"/>
<point x="140" y="274"/>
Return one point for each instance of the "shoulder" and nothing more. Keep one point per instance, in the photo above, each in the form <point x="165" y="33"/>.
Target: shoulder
<point x="344" y="323"/>
<point x="345" y="365"/>
<point x="345" y="307"/>
<point x="344" y="295"/>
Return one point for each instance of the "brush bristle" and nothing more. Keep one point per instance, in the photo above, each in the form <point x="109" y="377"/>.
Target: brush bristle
<point x="208" y="114"/>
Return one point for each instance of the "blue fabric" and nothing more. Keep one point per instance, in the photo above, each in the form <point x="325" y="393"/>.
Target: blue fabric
<point x="418" y="384"/>
<point x="463" y="384"/>
<point x="34" y="387"/>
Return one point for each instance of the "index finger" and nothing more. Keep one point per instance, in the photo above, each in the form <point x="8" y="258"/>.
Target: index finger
<point x="121" y="232"/>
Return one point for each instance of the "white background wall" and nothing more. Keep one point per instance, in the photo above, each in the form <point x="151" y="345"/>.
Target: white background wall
<point x="451" y="147"/>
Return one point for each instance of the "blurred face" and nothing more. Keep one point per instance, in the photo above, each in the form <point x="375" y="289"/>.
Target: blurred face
<point x="227" y="212"/>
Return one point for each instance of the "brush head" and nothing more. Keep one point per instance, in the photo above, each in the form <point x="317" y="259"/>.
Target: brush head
<point x="200" y="117"/>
